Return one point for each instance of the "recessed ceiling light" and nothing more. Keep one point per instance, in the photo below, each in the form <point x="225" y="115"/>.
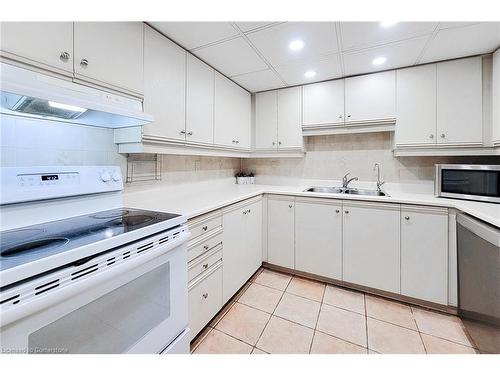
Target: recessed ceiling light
<point x="379" y="60"/>
<point x="296" y="45"/>
<point x="388" y="23"/>
<point x="309" y="74"/>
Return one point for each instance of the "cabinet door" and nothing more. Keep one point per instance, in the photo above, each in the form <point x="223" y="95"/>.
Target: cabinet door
<point x="323" y="103"/>
<point x="44" y="43"/>
<point x="110" y="53"/>
<point x="266" y="120"/>
<point x="496" y="98"/>
<point x="164" y="86"/>
<point x="459" y="101"/>
<point x="200" y="101"/>
<point x="424" y="253"/>
<point x="290" y="118"/>
<point x="232" y="114"/>
<point x="371" y="251"/>
<point x="280" y="232"/>
<point x="416" y="105"/>
<point x="318" y="237"/>
<point x="233" y="251"/>
<point x="370" y="98"/>
<point x="252" y="225"/>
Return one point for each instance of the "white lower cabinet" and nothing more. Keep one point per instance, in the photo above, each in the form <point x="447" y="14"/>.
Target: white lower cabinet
<point x="205" y="298"/>
<point x="424" y="253"/>
<point x="242" y="239"/>
<point x="371" y="248"/>
<point x="280" y="233"/>
<point x="318" y="237"/>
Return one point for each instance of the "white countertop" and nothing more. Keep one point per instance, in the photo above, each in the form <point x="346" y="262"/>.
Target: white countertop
<point x="201" y="197"/>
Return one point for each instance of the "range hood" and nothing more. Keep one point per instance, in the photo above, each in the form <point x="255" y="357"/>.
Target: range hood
<point x="30" y="94"/>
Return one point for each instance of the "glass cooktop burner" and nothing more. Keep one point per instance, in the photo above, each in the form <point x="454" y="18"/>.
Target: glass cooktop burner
<point x="23" y="245"/>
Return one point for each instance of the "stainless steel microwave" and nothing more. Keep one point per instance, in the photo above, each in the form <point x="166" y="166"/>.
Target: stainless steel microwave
<point x="468" y="181"/>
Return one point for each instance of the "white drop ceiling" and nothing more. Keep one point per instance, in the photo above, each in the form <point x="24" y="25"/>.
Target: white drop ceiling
<point x="257" y="56"/>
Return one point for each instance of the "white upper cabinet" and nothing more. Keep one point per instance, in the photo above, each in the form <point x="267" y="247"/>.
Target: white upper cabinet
<point x="416" y="105"/>
<point x="289" y="118"/>
<point x="318" y="237"/>
<point x="266" y="120"/>
<point x="373" y="258"/>
<point x="459" y="102"/>
<point x="48" y="44"/>
<point x="370" y="98"/>
<point x="232" y="114"/>
<point x="164" y="86"/>
<point x="424" y="253"/>
<point x="496" y="98"/>
<point x="110" y="53"/>
<point x="200" y="101"/>
<point x="323" y="103"/>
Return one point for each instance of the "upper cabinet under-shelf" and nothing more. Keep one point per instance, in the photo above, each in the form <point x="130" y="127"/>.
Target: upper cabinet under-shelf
<point x="103" y="54"/>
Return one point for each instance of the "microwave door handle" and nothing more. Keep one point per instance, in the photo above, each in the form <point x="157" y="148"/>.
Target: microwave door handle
<point x="53" y="298"/>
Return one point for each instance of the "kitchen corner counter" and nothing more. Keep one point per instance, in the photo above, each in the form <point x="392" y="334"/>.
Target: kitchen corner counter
<point x="201" y="197"/>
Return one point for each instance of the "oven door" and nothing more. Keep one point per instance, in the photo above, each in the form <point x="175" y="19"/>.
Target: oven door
<point x="139" y="306"/>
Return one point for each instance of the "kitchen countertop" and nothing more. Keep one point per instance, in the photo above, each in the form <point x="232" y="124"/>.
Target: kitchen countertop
<point x="201" y="197"/>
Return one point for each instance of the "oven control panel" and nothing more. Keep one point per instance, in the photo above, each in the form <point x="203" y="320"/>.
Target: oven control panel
<point x="21" y="184"/>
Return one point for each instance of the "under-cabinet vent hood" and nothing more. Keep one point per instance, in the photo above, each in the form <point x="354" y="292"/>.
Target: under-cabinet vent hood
<point x="30" y="94"/>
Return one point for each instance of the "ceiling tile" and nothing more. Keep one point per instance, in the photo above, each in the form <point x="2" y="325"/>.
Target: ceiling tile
<point x="259" y="81"/>
<point x="398" y="54"/>
<point x="249" y="26"/>
<point x="449" y="25"/>
<point x="319" y="39"/>
<point x="463" y="41"/>
<point x="328" y="67"/>
<point x="195" y="34"/>
<point x="357" y="35"/>
<point x="232" y="57"/>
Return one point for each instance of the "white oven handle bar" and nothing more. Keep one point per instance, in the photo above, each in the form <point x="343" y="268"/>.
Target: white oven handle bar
<point x="50" y="299"/>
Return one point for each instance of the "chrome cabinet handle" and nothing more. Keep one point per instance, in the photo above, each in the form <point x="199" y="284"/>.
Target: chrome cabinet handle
<point x="204" y="227"/>
<point x="443" y="135"/>
<point x="182" y="132"/>
<point x="205" y="247"/>
<point x="431" y="136"/>
<point x="205" y="265"/>
<point x="84" y="63"/>
<point x="64" y="56"/>
<point x="205" y="295"/>
<point x="407" y="218"/>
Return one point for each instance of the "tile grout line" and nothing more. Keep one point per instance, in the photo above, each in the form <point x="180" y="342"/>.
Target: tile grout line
<point x="366" y="325"/>
<point x="418" y="330"/>
<point x="317" y="319"/>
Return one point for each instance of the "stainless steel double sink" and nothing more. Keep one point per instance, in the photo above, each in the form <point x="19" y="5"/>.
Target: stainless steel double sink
<point x="341" y="190"/>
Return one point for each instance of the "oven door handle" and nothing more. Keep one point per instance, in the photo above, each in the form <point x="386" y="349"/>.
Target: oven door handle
<point x="52" y="298"/>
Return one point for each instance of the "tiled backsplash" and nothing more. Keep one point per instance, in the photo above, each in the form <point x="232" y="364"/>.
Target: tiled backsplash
<point x="330" y="157"/>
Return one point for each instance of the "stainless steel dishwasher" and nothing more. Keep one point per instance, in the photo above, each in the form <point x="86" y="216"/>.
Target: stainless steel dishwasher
<point x="478" y="245"/>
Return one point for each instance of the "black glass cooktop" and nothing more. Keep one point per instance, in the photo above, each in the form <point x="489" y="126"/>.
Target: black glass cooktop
<point x="34" y="242"/>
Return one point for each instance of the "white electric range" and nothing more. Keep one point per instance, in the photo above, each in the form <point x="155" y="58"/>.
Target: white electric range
<point x="79" y="273"/>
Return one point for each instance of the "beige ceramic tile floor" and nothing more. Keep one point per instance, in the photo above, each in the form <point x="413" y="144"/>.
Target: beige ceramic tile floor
<point x="280" y="313"/>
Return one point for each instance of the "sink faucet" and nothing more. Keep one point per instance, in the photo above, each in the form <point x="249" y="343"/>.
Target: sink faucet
<point x="346" y="182"/>
<point x="379" y="183"/>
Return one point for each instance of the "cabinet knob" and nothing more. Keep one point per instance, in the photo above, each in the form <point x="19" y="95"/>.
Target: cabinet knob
<point x="205" y="265"/>
<point x="290" y="205"/>
<point x="443" y="135"/>
<point x="279" y="143"/>
<point x="340" y="116"/>
<point x="337" y="211"/>
<point x="64" y="56"/>
<point x="204" y="227"/>
<point x="237" y="141"/>
<point x="431" y="136"/>
<point x="348" y="116"/>
<point x="407" y="218"/>
<point x="274" y="143"/>
<point x="346" y="211"/>
<point x="205" y="247"/>
<point x="190" y="133"/>
<point x="205" y="295"/>
<point x="182" y="132"/>
<point x="84" y="63"/>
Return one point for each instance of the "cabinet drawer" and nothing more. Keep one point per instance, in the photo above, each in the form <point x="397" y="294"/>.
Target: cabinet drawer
<point x="204" y="263"/>
<point x="200" y="226"/>
<point x="205" y="299"/>
<point x="201" y="247"/>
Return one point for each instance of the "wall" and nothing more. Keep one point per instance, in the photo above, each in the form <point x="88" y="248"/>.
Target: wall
<point x="330" y="157"/>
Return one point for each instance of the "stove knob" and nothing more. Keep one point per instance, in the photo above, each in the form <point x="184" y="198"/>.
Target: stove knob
<point x="105" y="176"/>
<point x="116" y="177"/>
